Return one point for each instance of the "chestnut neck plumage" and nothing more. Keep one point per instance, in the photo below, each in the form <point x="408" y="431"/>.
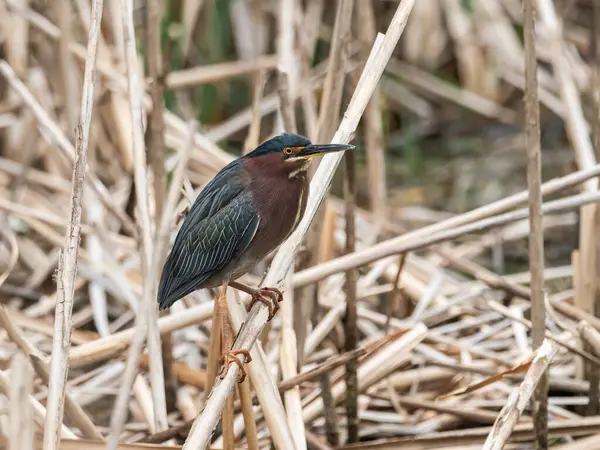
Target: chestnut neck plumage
<point x="280" y="190"/>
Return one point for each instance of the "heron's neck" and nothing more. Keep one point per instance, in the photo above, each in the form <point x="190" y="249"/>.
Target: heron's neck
<point x="296" y="169"/>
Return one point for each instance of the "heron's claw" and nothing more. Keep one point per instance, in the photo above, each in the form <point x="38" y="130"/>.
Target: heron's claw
<point x="270" y="297"/>
<point x="231" y="356"/>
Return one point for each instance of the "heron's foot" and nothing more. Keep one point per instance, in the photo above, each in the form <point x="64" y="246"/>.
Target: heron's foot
<point x="231" y="356"/>
<point x="270" y="297"/>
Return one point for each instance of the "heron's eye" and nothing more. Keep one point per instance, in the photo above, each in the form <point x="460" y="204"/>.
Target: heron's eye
<point x="288" y="151"/>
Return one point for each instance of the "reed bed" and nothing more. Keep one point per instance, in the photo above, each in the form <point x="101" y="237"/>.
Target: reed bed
<point x="401" y="327"/>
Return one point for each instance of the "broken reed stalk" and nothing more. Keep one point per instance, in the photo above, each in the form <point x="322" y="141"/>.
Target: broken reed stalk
<point x="519" y="397"/>
<point x="350" y="318"/>
<point x="256" y="320"/>
<point x="155" y="138"/>
<point x="146" y="317"/>
<point x="536" y="234"/>
<point x="67" y="265"/>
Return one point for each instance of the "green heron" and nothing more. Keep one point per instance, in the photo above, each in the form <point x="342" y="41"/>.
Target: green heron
<point x="246" y="211"/>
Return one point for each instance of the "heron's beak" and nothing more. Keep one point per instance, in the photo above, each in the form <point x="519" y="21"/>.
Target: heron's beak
<point x="313" y="150"/>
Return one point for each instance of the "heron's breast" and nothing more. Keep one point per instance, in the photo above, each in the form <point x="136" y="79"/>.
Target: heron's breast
<point x="280" y="202"/>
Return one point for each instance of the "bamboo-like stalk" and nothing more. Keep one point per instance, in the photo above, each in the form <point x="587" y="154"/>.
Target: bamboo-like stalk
<point x="536" y="235"/>
<point x="383" y="48"/>
<point x="510" y="413"/>
<point x="67" y="268"/>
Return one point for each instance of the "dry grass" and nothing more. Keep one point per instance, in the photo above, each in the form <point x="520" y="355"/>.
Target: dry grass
<point x="441" y="321"/>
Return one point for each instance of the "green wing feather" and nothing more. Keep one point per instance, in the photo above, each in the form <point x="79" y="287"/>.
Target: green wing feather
<point x="219" y="226"/>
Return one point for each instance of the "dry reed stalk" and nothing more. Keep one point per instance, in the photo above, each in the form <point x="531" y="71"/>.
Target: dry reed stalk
<point x="71" y="444"/>
<point x="68" y="72"/>
<point x="174" y="123"/>
<point x="470" y="100"/>
<point x="269" y="104"/>
<point x="228" y="436"/>
<point x="39" y="411"/>
<point x="519" y="397"/>
<point x="590" y="335"/>
<point x="204" y="74"/>
<point x="147" y="309"/>
<point x="21" y="418"/>
<point x="350" y="318"/>
<point x="287" y="67"/>
<point x="253" y="137"/>
<point x="474" y="220"/>
<point x="72" y="409"/>
<point x="59" y="140"/>
<point x="256" y="320"/>
<point x="375" y="368"/>
<point x="326" y="366"/>
<point x="155" y="139"/>
<point x="245" y="395"/>
<point x="548" y="335"/>
<point x="67" y="267"/>
<point x="576" y="125"/>
<point x="328" y="115"/>
<point x="334" y="80"/>
<point x="593" y="372"/>
<point x="373" y="128"/>
<point x="110" y="346"/>
<point x="191" y="11"/>
<point x="536" y="235"/>
<point x="214" y="355"/>
<point x="328" y="409"/>
<point x="288" y="360"/>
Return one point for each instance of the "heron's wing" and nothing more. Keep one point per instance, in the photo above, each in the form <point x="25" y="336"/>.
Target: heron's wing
<point x="219" y="226"/>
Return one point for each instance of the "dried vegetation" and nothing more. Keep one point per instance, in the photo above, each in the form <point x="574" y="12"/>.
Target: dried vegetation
<point x="402" y="327"/>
